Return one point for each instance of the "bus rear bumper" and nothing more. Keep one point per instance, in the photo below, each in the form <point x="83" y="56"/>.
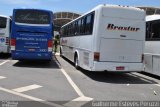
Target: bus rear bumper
<point x="31" y="56"/>
<point x="112" y="66"/>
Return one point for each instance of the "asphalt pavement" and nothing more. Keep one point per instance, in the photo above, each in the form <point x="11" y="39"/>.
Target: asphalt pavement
<point x="58" y="83"/>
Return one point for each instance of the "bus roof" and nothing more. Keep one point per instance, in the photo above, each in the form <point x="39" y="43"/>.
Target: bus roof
<point x="117" y="6"/>
<point x="109" y="6"/>
<point x="5" y="16"/>
<point x="152" y="17"/>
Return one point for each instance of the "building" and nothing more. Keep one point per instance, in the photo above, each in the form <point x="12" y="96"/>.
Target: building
<point x="61" y="18"/>
<point x="150" y="10"/>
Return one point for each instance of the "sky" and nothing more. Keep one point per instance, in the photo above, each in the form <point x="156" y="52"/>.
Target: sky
<point x="78" y="6"/>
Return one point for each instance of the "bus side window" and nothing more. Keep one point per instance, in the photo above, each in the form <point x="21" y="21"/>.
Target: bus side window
<point x="67" y="30"/>
<point x="88" y="24"/>
<point x="72" y="28"/>
<point x="76" y="28"/>
<point x="79" y="27"/>
<point x="148" y="31"/>
<point x="83" y="25"/>
<point x="155" y="29"/>
<point x="92" y="22"/>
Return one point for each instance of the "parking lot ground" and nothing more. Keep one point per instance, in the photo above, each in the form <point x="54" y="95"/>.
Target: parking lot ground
<point x="53" y="84"/>
<point x="58" y="82"/>
<point x="109" y="86"/>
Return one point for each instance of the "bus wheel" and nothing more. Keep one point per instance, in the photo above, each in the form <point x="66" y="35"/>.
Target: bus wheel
<point x="76" y="62"/>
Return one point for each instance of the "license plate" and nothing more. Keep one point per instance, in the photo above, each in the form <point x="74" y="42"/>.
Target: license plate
<point x="31" y="50"/>
<point x="120" y="68"/>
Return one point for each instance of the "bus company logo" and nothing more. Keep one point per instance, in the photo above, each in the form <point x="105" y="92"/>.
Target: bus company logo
<point x="129" y="28"/>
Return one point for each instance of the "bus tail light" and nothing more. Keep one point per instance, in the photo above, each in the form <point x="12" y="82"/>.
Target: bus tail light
<point x="7" y="41"/>
<point x="50" y="44"/>
<point x="13" y="44"/>
<point x="96" y="56"/>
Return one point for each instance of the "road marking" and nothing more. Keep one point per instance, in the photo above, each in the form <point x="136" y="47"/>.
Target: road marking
<point x="83" y="98"/>
<point x="76" y="88"/>
<point x="157" y="85"/>
<point x="79" y="92"/>
<point x="78" y="102"/>
<point x="57" y="54"/>
<point x="142" y="77"/>
<point x="148" y="78"/>
<point x="2" y="77"/>
<point x="27" y="88"/>
<point x="30" y="97"/>
<point x="4" y="62"/>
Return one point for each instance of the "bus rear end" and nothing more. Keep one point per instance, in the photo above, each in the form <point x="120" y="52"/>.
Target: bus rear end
<point x="4" y="34"/>
<point x="121" y="37"/>
<point x="32" y="32"/>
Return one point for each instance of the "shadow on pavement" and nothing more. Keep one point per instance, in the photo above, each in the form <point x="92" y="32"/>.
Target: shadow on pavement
<point x="151" y="75"/>
<point x="38" y="64"/>
<point x="4" y="56"/>
<point x="115" y="77"/>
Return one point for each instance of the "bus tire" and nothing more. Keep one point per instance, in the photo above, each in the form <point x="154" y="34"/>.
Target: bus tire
<point x="76" y="62"/>
<point x="21" y="60"/>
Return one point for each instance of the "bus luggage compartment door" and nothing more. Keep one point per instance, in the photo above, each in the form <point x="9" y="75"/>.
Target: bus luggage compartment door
<point x="119" y="50"/>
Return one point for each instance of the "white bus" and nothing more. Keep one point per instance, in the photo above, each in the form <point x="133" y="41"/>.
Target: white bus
<point x="152" y="45"/>
<point x="107" y="38"/>
<point x="5" y="30"/>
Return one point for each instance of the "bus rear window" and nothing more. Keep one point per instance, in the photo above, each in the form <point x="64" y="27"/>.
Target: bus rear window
<point x="32" y="17"/>
<point x="3" y="22"/>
